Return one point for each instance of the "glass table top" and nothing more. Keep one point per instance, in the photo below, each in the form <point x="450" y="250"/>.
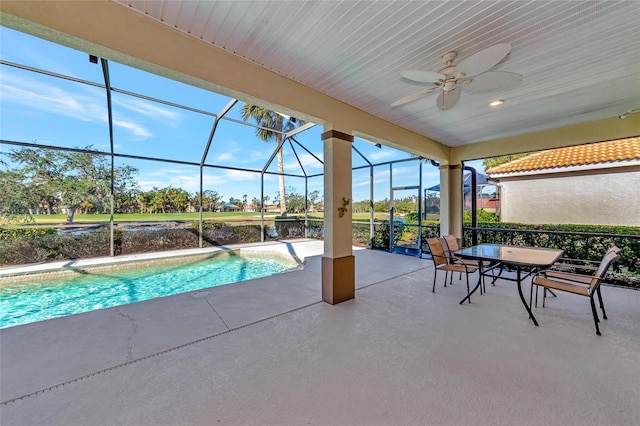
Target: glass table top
<point x="512" y="255"/>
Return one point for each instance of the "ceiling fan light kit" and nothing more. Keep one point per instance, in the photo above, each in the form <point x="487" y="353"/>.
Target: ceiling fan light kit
<point x="472" y="72"/>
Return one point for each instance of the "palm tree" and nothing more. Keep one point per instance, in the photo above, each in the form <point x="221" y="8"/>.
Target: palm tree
<point x="279" y="123"/>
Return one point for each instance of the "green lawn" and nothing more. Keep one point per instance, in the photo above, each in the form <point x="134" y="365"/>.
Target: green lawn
<point x="60" y="219"/>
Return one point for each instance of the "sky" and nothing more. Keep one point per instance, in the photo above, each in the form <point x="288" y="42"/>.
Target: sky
<point x="43" y="109"/>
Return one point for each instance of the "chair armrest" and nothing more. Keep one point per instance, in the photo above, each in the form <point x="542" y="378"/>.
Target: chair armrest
<point x="567" y="276"/>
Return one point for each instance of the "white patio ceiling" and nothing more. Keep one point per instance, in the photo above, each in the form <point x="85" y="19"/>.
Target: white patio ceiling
<point x="580" y="61"/>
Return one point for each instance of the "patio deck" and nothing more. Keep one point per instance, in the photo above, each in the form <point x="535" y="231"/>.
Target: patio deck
<point x="269" y="351"/>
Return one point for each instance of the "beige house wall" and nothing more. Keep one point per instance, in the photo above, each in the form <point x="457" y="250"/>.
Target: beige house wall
<point x="603" y="197"/>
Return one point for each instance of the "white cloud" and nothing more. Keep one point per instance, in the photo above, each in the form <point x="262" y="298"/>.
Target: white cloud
<point x="37" y="95"/>
<point x="179" y="179"/>
<point x="227" y="156"/>
<point x="381" y="155"/>
<point x="308" y="162"/>
<point x="242" y="176"/>
<point x="150" y="109"/>
<point x="133" y="127"/>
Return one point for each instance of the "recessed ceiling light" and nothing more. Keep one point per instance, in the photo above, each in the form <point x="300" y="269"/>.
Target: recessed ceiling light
<point x="496" y="102"/>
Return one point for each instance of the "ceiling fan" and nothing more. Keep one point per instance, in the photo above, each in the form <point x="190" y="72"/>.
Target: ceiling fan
<point x="472" y="72"/>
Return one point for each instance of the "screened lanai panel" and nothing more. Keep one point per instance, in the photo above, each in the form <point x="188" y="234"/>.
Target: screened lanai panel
<point x="316" y="193"/>
<point x="35" y="52"/>
<point x="236" y="145"/>
<point x="151" y="129"/>
<point x="231" y="184"/>
<point x="160" y="174"/>
<point x="238" y="110"/>
<point x="42" y="109"/>
<point x="152" y="85"/>
<point x="155" y="206"/>
<point x="291" y="164"/>
<point x="430" y="175"/>
<point x="312" y="157"/>
<point x="294" y="193"/>
<point x="301" y="157"/>
<point x="361" y="184"/>
<point x="406" y="173"/>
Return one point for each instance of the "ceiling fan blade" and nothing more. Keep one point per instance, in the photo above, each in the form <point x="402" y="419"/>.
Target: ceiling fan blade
<point x="413" y="96"/>
<point x="495" y="80"/>
<point x="447" y="100"/>
<point x="484" y="60"/>
<point x="422" y="76"/>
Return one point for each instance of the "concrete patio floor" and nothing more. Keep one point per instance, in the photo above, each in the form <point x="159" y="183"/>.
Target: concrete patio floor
<point x="269" y="352"/>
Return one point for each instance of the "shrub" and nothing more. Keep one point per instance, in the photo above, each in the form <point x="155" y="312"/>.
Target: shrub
<point x="482" y="216"/>
<point x="381" y="234"/>
<point x="289" y="226"/>
<point x="24" y="234"/>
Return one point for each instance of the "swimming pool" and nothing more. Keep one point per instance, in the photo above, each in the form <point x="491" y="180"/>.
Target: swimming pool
<point x="45" y="296"/>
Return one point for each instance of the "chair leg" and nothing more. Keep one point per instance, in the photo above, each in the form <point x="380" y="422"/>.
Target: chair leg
<point x="435" y="275"/>
<point x="544" y="296"/>
<point x="595" y="315"/>
<point x="604" y="314"/>
<point x="446" y="277"/>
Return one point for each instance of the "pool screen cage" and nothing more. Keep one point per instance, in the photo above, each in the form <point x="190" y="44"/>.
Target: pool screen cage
<point x="288" y="138"/>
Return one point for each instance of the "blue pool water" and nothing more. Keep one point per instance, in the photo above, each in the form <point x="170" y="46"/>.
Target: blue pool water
<point x="29" y="301"/>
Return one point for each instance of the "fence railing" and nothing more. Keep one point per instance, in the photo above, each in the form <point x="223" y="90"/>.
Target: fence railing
<point x="580" y="248"/>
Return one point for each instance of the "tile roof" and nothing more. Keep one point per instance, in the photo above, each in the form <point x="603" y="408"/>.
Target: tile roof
<point x="593" y="153"/>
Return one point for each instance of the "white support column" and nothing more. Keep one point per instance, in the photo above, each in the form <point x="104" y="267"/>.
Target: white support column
<point x="451" y="200"/>
<point x="338" y="262"/>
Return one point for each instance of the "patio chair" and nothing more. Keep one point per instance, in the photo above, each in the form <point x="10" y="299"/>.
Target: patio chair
<point x="576" y="278"/>
<point x="451" y="245"/>
<point x="582" y="285"/>
<point x="443" y="262"/>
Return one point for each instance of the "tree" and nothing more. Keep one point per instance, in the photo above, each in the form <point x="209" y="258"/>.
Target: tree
<point x="268" y="119"/>
<point x="72" y="180"/>
<point x="360" y="206"/>
<point x="295" y="201"/>
<point x="39" y="172"/>
<point x="177" y="199"/>
<point x="382" y="205"/>
<point x="491" y="162"/>
<point x="125" y="189"/>
<point x="210" y="200"/>
<point x="17" y="202"/>
<point x="314" y="198"/>
<point x="256" y="203"/>
<point x="50" y="179"/>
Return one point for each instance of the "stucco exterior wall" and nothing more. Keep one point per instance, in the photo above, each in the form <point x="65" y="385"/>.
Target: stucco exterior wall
<point x="603" y="197"/>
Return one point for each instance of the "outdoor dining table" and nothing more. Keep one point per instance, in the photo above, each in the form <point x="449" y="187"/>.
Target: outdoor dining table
<point x="520" y="258"/>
